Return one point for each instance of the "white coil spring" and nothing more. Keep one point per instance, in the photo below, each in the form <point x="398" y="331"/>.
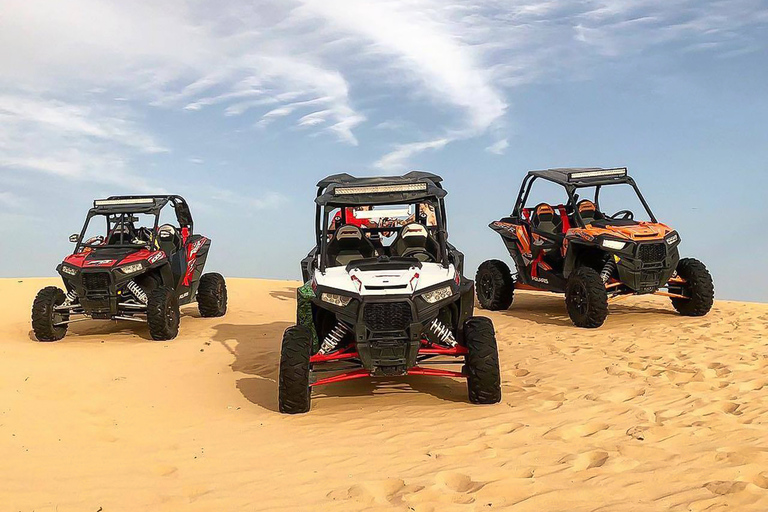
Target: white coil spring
<point x="333" y="338"/>
<point x="608" y="269"/>
<point x="137" y="292"/>
<point x="442" y="332"/>
<point x="71" y="298"/>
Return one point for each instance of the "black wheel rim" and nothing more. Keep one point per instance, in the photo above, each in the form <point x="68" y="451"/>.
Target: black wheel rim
<point x="486" y="286"/>
<point x="170" y="317"/>
<point x="579" y="300"/>
<point x="56" y="318"/>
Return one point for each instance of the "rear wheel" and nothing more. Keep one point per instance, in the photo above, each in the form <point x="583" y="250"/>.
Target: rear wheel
<point x="212" y="295"/>
<point x="163" y="314"/>
<point x="294" y="393"/>
<point x="45" y="318"/>
<point x="586" y="299"/>
<point x="482" y="361"/>
<point x="495" y="286"/>
<point x="698" y="286"/>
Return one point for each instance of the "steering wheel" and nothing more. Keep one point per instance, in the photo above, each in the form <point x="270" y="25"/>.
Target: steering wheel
<point x="419" y="253"/>
<point x="94" y="240"/>
<point x="625" y="215"/>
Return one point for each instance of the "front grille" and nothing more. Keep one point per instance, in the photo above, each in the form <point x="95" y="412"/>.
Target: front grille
<point x="387" y="316"/>
<point x="652" y="253"/>
<point x="96" y="281"/>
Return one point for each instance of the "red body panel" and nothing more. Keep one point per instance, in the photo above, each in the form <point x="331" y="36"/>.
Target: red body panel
<point x="192" y="259"/>
<point x="89" y="260"/>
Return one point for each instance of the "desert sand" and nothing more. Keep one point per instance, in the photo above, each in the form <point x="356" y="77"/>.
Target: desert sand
<point x="651" y="412"/>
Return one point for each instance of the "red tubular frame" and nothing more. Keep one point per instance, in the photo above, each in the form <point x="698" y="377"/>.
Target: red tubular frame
<point x="354" y="374"/>
<point x="359" y="373"/>
<point x="333" y="356"/>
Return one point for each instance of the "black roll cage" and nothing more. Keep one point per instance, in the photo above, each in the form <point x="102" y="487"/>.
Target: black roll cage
<point x="324" y="207"/>
<point x="126" y="211"/>
<point x="571" y="188"/>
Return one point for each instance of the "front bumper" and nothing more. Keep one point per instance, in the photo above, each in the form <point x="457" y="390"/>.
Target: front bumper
<point x="649" y="267"/>
<point x="99" y="291"/>
<point x="388" y="330"/>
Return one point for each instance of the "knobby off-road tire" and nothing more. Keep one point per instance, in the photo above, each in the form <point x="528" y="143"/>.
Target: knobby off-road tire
<point x="294" y="394"/>
<point x="212" y="295"/>
<point x="495" y="286"/>
<point x="44" y="316"/>
<point x="482" y="361"/>
<point x="698" y="286"/>
<point x="586" y="298"/>
<point x="163" y="314"/>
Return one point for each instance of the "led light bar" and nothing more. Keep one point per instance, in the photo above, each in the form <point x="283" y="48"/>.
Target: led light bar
<point x="119" y="202"/>
<point x="381" y="189"/>
<point x="603" y="173"/>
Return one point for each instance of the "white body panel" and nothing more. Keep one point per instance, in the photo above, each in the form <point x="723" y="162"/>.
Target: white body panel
<point x="386" y="282"/>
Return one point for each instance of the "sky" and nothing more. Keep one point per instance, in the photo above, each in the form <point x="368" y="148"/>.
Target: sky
<point x="242" y="107"/>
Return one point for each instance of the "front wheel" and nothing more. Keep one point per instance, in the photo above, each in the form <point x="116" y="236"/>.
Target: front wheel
<point x="163" y="314"/>
<point x="698" y="287"/>
<point x="482" y="361"/>
<point x="47" y="323"/>
<point x="586" y="298"/>
<point x="495" y="285"/>
<point x="212" y="295"/>
<point x="294" y="394"/>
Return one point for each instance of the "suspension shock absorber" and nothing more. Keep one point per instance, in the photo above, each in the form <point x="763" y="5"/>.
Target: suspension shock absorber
<point x="137" y="291"/>
<point x="608" y="269"/>
<point x="71" y="298"/>
<point x="333" y="338"/>
<point x="442" y="332"/>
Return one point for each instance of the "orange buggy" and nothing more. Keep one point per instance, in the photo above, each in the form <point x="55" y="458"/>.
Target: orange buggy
<point x="576" y="249"/>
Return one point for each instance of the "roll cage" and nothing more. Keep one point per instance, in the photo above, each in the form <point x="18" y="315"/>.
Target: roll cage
<point x="342" y="191"/>
<point x="573" y="179"/>
<point x="120" y="210"/>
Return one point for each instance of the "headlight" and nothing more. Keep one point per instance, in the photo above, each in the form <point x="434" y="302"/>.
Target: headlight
<point x="613" y="244"/>
<point x="130" y="269"/>
<point x="69" y="270"/>
<point x="437" y="295"/>
<point x="672" y="240"/>
<point x="336" y="300"/>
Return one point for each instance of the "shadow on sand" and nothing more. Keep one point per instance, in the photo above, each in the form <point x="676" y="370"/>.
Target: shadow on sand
<point x="550" y="309"/>
<point x="122" y="330"/>
<point x="256" y="349"/>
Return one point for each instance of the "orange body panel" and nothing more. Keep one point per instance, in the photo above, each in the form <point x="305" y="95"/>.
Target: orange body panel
<point x="639" y="232"/>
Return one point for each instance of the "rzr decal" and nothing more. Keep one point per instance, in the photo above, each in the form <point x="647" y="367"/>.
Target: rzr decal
<point x="98" y="263"/>
<point x="192" y="260"/>
<point x="157" y="257"/>
<point x="196" y="246"/>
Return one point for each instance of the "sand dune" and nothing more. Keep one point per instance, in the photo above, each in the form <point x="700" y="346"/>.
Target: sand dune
<point x="651" y="412"/>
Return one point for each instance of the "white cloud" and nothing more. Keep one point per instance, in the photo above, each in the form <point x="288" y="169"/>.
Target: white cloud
<point x="71" y="141"/>
<point x="498" y="147"/>
<point x="20" y="113"/>
<point x="424" y="42"/>
<point x="10" y="200"/>
<point x="397" y="159"/>
<point x="310" y="63"/>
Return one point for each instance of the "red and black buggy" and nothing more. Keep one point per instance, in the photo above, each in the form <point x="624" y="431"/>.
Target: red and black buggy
<point x="139" y="270"/>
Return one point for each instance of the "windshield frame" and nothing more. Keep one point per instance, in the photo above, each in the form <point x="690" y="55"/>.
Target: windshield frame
<point x="123" y="213"/>
<point x="323" y="212"/>
<point x="530" y="179"/>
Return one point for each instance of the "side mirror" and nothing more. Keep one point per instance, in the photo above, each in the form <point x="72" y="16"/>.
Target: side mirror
<point x="74" y="238"/>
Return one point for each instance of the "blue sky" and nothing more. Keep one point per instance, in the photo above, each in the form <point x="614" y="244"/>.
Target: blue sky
<point x="242" y="107"/>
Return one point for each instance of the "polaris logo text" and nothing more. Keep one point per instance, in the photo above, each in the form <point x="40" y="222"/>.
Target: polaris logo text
<point x="540" y="279"/>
